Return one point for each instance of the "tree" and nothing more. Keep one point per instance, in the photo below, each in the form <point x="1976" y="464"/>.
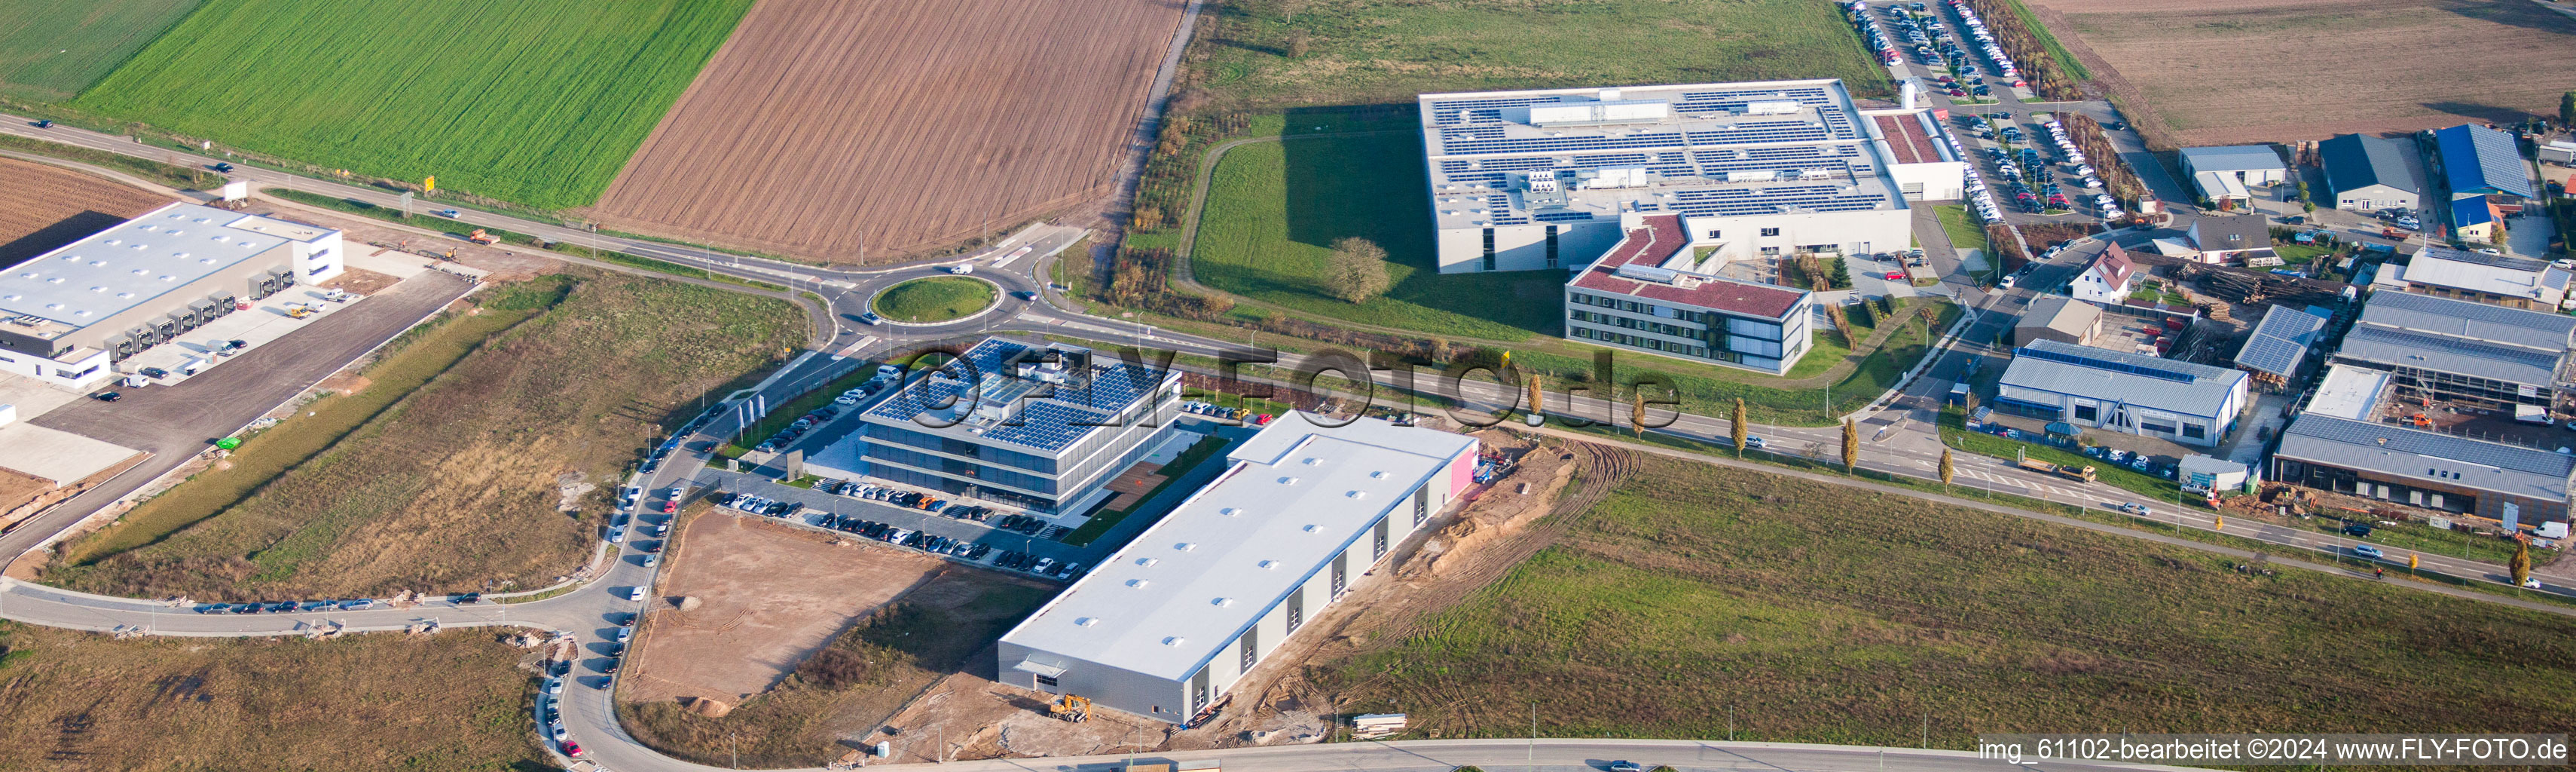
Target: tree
<point x="1851" y="445"/>
<point x="1738" y="427"/>
<point x="1358" y="270"/>
<point x="2567" y="109"/>
<point x="1840" y="269"/>
<point x="1946" y="469"/>
<point x="1637" y="411"/>
<point x="2521" y="565"/>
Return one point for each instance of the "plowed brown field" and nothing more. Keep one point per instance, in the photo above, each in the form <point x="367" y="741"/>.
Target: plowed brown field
<point x="43" y="207"/>
<point x="825" y="126"/>
<point x="2205" y="72"/>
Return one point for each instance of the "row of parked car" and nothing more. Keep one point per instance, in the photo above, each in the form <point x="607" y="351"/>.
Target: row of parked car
<point x="759" y="505"/>
<point x="1986" y="40"/>
<point x="289" y="606"/>
<point x="797" y="428"/>
<point x="1213" y="410"/>
<point x="1017" y="561"/>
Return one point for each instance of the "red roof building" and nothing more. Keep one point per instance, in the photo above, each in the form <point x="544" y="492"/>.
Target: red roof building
<point x="1644" y="295"/>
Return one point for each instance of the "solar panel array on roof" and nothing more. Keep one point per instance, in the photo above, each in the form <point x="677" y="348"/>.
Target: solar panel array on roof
<point x="1057" y="417"/>
<point x="2434" y="445"/>
<point x="2478" y="159"/>
<point x="2124" y="365"/>
<point x="2280" y="341"/>
<point x="2517" y="326"/>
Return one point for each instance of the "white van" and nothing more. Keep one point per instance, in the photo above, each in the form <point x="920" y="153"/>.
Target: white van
<point x="191" y="366"/>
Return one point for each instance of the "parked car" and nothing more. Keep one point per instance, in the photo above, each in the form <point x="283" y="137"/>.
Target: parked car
<point x="635" y="593"/>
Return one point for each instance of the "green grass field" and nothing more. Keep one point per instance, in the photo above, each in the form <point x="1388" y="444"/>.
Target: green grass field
<point x="52" y="49"/>
<point x="1363" y="51"/>
<point x="1698" y="601"/>
<point x="538" y="102"/>
<point x="935" y="299"/>
<point x="1275" y="208"/>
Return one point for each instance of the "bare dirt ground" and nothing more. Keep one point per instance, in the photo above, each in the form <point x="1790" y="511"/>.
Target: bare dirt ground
<point x="2207" y="72"/>
<point x="973" y="717"/>
<point x="769" y="595"/>
<point x="43" y="207"/>
<point x="826" y="129"/>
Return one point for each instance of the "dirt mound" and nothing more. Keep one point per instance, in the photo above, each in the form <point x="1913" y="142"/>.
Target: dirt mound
<point x="707" y="706"/>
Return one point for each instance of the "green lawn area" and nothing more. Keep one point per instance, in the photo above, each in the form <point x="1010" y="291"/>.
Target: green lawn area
<point x="52" y="49"/>
<point x="935" y="299"/>
<point x="538" y="102"/>
<point x="1365" y="51"/>
<point x="1275" y="208"/>
<point x="1964" y="230"/>
<point x="2300" y="254"/>
<point x="2151" y="487"/>
<point x="1700" y="601"/>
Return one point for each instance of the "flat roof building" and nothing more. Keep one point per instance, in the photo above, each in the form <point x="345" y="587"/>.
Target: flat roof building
<point x="1655" y="292"/>
<point x="1164" y="626"/>
<point x="2457" y="350"/>
<point x="68" y="314"/>
<point x="2189" y="403"/>
<point x="1039" y="427"/>
<point x="2370" y="173"/>
<point x="1540" y="178"/>
<point x="2497" y="280"/>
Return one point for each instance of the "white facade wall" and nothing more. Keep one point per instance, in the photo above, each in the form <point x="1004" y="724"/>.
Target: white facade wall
<point x="82" y="375"/>
<point x="1943" y="181"/>
<point x="1524" y="247"/>
<point x="319" y="260"/>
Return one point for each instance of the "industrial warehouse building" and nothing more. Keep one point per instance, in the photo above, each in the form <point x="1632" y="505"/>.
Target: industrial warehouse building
<point x="1529" y="180"/>
<point x="1040" y="428"/>
<point x="2371" y="173"/>
<point x="2497" y="280"/>
<point x="2222" y="173"/>
<point x="2460" y="351"/>
<point x="1166" y="625"/>
<point x="2510" y="483"/>
<point x="1657" y="291"/>
<point x="72" y="313"/>
<point x="2189" y="403"/>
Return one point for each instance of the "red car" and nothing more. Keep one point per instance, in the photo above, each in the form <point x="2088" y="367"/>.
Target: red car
<point x="1895" y="276"/>
<point x="670" y="507"/>
<point x="572" y="749"/>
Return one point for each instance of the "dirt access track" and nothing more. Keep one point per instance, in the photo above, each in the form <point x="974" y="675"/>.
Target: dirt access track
<point x="769" y="596"/>
<point x="43" y="207"/>
<point x="826" y="129"/>
<point x="2212" y="72"/>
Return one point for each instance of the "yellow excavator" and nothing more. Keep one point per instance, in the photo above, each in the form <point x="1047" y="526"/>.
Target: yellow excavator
<point x="1070" y="708"/>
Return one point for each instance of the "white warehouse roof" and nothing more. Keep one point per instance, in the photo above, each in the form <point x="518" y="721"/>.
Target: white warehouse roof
<point x="97" y="277"/>
<point x="1296" y="495"/>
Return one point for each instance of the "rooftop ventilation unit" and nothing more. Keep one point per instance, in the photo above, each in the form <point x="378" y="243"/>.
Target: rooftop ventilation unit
<point x="1648" y="273"/>
<point x="1773" y="107"/>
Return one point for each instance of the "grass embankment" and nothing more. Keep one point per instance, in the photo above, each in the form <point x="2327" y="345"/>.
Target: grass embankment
<point x="1963" y="229"/>
<point x="856" y="682"/>
<point x="2066" y="61"/>
<point x="1274" y="210"/>
<point x="455" y="487"/>
<point x="1699" y="600"/>
<point x="52" y="49"/>
<point x="538" y="102"/>
<point x="1188" y="459"/>
<point x="1358" y="51"/>
<point x="406" y="363"/>
<point x="935" y="299"/>
<point x="86" y="701"/>
<point x="421" y="218"/>
<point x="180" y="177"/>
